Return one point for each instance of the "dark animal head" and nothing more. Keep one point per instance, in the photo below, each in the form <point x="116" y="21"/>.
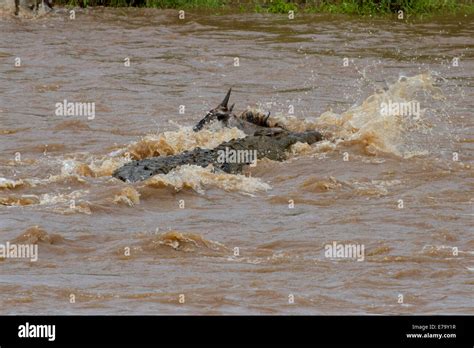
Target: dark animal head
<point x="221" y="113"/>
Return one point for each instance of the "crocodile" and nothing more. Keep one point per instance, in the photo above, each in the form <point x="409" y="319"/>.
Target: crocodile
<point x="263" y="140"/>
<point x="271" y="146"/>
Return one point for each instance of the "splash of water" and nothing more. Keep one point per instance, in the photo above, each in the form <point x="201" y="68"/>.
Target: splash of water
<point x="197" y="178"/>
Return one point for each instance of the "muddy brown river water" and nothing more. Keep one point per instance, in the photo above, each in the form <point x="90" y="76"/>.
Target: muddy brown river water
<point x="198" y="242"/>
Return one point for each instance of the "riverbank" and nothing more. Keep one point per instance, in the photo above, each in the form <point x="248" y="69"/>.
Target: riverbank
<point x="351" y="7"/>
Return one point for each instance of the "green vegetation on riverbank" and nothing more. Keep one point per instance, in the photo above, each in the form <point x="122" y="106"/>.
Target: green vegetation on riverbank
<point x="352" y="7"/>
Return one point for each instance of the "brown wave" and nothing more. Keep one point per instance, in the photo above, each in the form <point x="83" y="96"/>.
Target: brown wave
<point x="128" y="196"/>
<point x="12" y="131"/>
<point x="92" y="166"/>
<point x="365" y="129"/>
<point x="58" y="203"/>
<point x="13" y="200"/>
<point x="37" y="235"/>
<point x="84" y="170"/>
<point x="49" y="243"/>
<point x="150" y="148"/>
<point x="47" y="88"/>
<point x="170" y="243"/>
<point x="380" y="250"/>
<point x="10" y="184"/>
<point x="315" y="184"/>
<point x="198" y="178"/>
<point x="173" y="142"/>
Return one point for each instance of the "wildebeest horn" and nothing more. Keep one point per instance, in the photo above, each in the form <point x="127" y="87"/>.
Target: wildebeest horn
<point x="226" y="99"/>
